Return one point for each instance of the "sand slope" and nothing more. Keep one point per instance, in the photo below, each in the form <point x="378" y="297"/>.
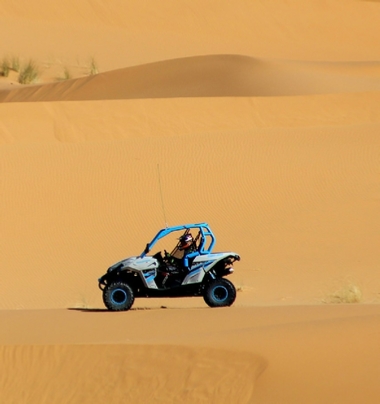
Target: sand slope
<point x="209" y="76"/>
<point x="323" y="231"/>
<point x="245" y="355"/>
<point x="199" y="372"/>
<point x="262" y="119"/>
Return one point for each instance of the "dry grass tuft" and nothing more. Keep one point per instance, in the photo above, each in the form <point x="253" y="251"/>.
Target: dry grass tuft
<point x="8" y="64"/>
<point x="5" y="67"/>
<point x="29" y="73"/>
<point x="349" y="293"/>
<point x="93" y="69"/>
<point x="66" y="75"/>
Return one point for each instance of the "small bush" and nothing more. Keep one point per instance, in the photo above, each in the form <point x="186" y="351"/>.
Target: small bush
<point x="4" y="68"/>
<point x="29" y="73"/>
<point x="349" y="293"/>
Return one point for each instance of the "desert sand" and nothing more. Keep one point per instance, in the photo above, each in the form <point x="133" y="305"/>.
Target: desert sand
<point x="260" y="118"/>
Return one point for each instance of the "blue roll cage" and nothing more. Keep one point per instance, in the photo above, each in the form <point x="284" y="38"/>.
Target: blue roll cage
<point x="202" y="227"/>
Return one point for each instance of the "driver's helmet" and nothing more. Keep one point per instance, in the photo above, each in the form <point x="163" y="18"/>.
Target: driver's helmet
<point x="185" y="241"/>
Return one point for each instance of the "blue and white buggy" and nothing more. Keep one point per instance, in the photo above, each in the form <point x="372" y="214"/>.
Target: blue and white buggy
<point x="198" y="273"/>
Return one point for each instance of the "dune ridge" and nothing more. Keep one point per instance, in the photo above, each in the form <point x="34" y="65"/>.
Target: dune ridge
<point x="209" y="76"/>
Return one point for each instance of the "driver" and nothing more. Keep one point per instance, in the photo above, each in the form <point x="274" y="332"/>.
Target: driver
<point x="187" y="245"/>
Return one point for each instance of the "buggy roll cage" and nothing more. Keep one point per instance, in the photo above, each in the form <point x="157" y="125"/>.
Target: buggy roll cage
<point x="204" y="231"/>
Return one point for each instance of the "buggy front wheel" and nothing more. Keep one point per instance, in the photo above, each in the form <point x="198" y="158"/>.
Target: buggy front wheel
<point x="118" y="296"/>
<point x="220" y="293"/>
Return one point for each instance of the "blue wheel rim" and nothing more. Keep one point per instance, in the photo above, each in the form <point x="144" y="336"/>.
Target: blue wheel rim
<point x="118" y="296"/>
<point x="220" y="293"/>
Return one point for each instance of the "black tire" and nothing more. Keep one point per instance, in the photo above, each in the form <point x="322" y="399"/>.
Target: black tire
<point x="118" y="296"/>
<point x="220" y="293"/>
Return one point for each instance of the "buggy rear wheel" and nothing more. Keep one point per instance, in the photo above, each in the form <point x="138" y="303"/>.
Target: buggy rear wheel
<point x="118" y="296"/>
<point x="220" y="293"/>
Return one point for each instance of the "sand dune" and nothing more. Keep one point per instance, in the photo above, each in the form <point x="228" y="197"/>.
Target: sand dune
<point x="324" y="229"/>
<point x="209" y="76"/>
<point x="124" y="119"/>
<point x="309" y="354"/>
<point x="200" y="372"/>
<point x="262" y="119"/>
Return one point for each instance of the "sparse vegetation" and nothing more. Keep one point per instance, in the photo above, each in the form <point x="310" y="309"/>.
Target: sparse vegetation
<point x="349" y="293"/>
<point x="28" y="73"/>
<point x="8" y="64"/>
<point x="4" y="67"/>
<point x="66" y="74"/>
<point x="93" y="67"/>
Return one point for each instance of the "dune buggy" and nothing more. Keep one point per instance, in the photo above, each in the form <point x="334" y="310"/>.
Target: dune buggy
<point x="176" y="274"/>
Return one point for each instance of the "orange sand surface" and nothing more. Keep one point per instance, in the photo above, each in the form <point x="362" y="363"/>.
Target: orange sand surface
<point x="260" y="118"/>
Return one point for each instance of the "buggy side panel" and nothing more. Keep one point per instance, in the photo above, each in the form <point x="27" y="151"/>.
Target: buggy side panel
<point x="196" y="275"/>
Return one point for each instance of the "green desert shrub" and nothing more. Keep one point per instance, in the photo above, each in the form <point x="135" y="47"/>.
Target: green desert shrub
<point x="4" y="67"/>
<point x="28" y="73"/>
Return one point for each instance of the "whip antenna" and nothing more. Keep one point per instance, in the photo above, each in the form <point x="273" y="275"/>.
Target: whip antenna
<point x="162" y="199"/>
